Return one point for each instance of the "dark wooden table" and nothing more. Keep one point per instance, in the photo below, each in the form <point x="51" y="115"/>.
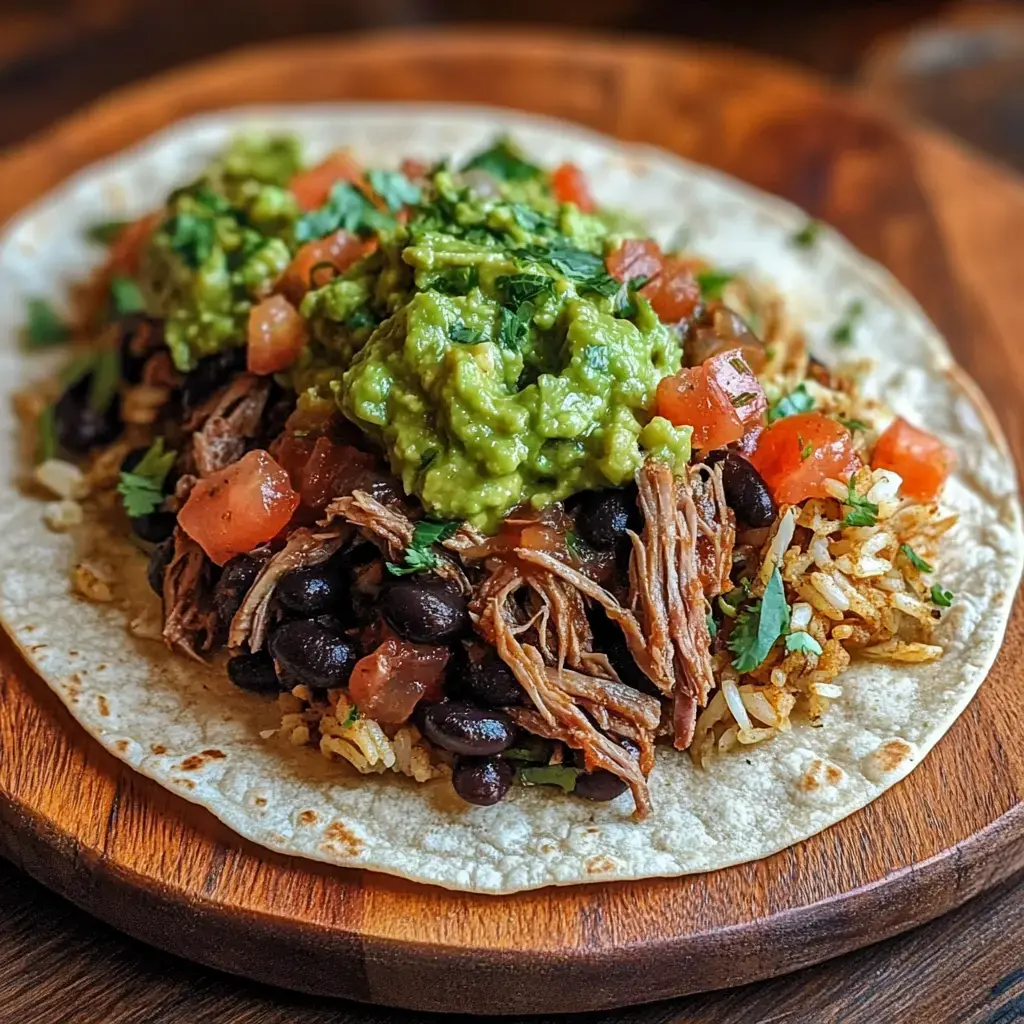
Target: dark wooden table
<point x="59" y="966"/>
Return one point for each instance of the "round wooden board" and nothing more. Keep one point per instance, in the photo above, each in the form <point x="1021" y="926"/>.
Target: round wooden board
<point x="948" y="225"/>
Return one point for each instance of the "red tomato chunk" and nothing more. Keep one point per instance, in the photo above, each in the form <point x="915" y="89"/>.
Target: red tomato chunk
<point x="920" y="458"/>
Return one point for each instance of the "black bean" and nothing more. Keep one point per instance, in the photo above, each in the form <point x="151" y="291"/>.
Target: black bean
<point x="254" y="672"/>
<point x="307" y="651"/>
<point x="476" y="671"/>
<point x="79" y="427"/>
<point x="158" y="562"/>
<point x="604" y="516"/>
<point x="139" y="339"/>
<point x="482" y="780"/>
<point x="313" y="590"/>
<point x="236" y="578"/>
<point x="425" y="611"/>
<point x="465" y="729"/>
<point x="211" y="373"/>
<point x="599" y="785"/>
<point x="745" y="491"/>
<point x="133" y="458"/>
<point x="154" y="526"/>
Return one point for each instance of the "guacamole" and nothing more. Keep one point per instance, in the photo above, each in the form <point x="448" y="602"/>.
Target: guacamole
<point x="482" y="346"/>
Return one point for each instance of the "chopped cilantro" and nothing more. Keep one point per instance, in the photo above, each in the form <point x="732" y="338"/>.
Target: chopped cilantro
<point x="125" y="296"/>
<point x="943" y="598"/>
<point x="574" y="545"/>
<point x="105" y="232"/>
<point x="46" y="435"/>
<point x="513" y="327"/>
<point x="802" y="642"/>
<point x="142" y="488"/>
<point x="504" y="161"/>
<point x="587" y="269"/>
<point x="346" y="209"/>
<point x="852" y="425"/>
<point x="454" y="281"/>
<point x="43" y="326"/>
<point x="712" y="625"/>
<point x="519" y="288"/>
<point x="808" y="235"/>
<point x="361" y="318"/>
<point x="795" y="402"/>
<point x="743" y="398"/>
<point x="351" y="718"/>
<point x="759" y="626"/>
<point x="530" y="748"/>
<point x="915" y="559"/>
<point x="192" y="237"/>
<point x="712" y="282"/>
<point x="806" y="451"/>
<point x="394" y="188"/>
<point x="461" y="333"/>
<point x="106" y="374"/>
<point x="550" y="775"/>
<point x="862" y="512"/>
<point x="529" y="219"/>
<point x="842" y="333"/>
<point x="418" y="555"/>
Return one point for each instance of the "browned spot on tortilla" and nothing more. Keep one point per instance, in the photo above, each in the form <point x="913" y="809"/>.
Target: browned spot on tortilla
<point x="36" y="647"/>
<point x="73" y="687"/>
<point x="547" y="848"/>
<point x="820" y="773"/>
<point x="102" y="667"/>
<point x="187" y="783"/>
<point x="121" y="746"/>
<point x="101" y="703"/>
<point x="158" y="748"/>
<point x="214" y="755"/>
<point x="307" y="818"/>
<point x="890" y="755"/>
<point x="339" y="839"/>
<point x="599" y="865"/>
<point x="260" y="801"/>
<point x="31" y="629"/>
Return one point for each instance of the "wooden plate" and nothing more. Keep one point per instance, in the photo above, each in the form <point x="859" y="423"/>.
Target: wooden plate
<point x="951" y="227"/>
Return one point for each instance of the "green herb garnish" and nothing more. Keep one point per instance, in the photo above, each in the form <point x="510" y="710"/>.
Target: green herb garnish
<point x="394" y="188"/>
<point x="712" y="283"/>
<point x="574" y="545"/>
<point x="550" y="775"/>
<point x="742" y="399"/>
<point x="513" y="327"/>
<point x="346" y="209"/>
<point x="504" y="161"/>
<point x="418" y="555"/>
<point x="943" y="598"/>
<point x="842" y="333"/>
<point x="351" y="718"/>
<point x="454" y="281"/>
<point x="802" y="643"/>
<point x="759" y="626"/>
<point x="461" y="333"/>
<point x="586" y="269"/>
<point x="125" y="296"/>
<point x="142" y="488"/>
<point x="915" y="559"/>
<point x="862" y="512"/>
<point x="106" y="232"/>
<point x="519" y="288"/>
<point x="852" y="425"/>
<point x="808" y="235"/>
<point x="43" y="326"/>
<point x="795" y="402"/>
<point x="46" y="435"/>
<point x="529" y="219"/>
<point x="712" y="625"/>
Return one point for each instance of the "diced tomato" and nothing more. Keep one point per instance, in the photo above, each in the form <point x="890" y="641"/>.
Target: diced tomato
<point x="414" y="170"/>
<point x="239" y="508"/>
<point x="797" y="454"/>
<point x="636" y="257"/>
<point x="920" y="458"/>
<point x="570" y="186"/>
<point x="126" y="249"/>
<point x="388" y="684"/>
<point x="317" y="262"/>
<point x="312" y="188"/>
<point x="276" y="335"/>
<point x="674" y="294"/>
<point x="333" y="470"/>
<point x="721" y="399"/>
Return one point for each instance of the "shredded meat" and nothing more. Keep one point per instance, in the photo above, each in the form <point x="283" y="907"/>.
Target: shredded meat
<point x="234" y="417"/>
<point x="304" y="547"/>
<point x="186" y="623"/>
<point x="665" y="585"/>
<point x="716" y="530"/>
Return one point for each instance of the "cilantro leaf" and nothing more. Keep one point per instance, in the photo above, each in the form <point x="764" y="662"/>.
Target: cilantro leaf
<point x="758" y="627"/>
<point x="852" y="425"/>
<point x="418" y="555"/>
<point x="504" y="161"/>
<point x="454" y="281"/>
<point x="461" y="333"/>
<point x="529" y="219"/>
<point x="46" y="435"/>
<point x="514" y="327"/>
<point x="550" y="775"/>
<point x="808" y="235"/>
<point x="790" y="405"/>
<point x="531" y="748"/>
<point x="519" y="288"/>
<point x="142" y="488"/>
<point x="842" y="333"/>
<point x="346" y="209"/>
<point x="802" y="642"/>
<point x="574" y="545"/>
<point x="105" y="232"/>
<point x="712" y="625"/>
<point x="106" y="375"/>
<point x="862" y="512"/>
<point x="125" y="296"/>
<point x="626" y="306"/>
<point x="943" y="598"/>
<point x="915" y="559"/>
<point x="587" y="269"/>
<point x="394" y="188"/>
<point x="712" y="282"/>
<point x="191" y="237"/>
<point x="43" y="326"/>
<point x="352" y="717"/>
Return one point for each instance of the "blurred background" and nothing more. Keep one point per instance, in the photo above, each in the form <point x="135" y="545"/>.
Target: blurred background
<point x="959" y="64"/>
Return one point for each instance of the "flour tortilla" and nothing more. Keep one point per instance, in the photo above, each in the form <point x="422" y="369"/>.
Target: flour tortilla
<point x="189" y="729"/>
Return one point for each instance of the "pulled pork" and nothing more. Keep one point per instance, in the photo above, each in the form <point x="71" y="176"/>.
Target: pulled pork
<point x="231" y="418"/>
<point x="188" y="622"/>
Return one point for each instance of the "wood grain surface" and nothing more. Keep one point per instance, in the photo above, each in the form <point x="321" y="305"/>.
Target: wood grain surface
<point x="949" y="226"/>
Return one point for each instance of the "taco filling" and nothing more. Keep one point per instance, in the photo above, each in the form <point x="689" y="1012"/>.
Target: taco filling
<point x="480" y="481"/>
